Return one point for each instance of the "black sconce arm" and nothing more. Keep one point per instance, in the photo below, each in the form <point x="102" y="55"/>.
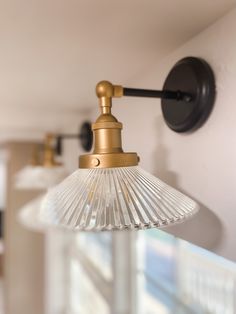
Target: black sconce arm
<point x="187" y="97"/>
<point x="84" y="136"/>
<point x="163" y="94"/>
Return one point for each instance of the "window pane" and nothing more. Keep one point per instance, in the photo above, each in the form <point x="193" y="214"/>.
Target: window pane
<point x="178" y="277"/>
<point x="98" y="249"/>
<point x="85" y="297"/>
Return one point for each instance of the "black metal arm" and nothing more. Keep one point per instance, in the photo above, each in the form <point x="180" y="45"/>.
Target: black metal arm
<point x="164" y="94"/>
<point x="84" y="136"/>
<point x="61" y="137"/>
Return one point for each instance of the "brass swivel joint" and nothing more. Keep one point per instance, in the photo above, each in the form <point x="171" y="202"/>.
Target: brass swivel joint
<point x="105" y="92"/>
<point x="108" y="152"/>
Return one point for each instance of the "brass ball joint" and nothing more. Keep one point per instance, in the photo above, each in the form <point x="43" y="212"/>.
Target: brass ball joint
<point x="187" y="99"/>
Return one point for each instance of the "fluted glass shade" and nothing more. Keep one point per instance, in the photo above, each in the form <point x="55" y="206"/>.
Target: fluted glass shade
<point x="114" y="199"/>
<point x="39" y="177"/>
<point x="29" y="215"/>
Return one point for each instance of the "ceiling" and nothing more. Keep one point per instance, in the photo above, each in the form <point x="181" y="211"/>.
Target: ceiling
<point x="53" y="52"/>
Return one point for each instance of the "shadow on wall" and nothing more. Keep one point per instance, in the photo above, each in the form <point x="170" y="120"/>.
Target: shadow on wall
<point x="204" y="229"/>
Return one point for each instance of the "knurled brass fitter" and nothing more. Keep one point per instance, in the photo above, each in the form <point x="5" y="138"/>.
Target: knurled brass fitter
<point x="108" y="152"/>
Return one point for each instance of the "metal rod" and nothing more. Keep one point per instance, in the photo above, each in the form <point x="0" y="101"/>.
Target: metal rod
<point x="59" y="138"/>
<point x="69" y="136"/>
<point x="164" y="94"/>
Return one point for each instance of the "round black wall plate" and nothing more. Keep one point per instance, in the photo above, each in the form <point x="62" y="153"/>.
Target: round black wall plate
<point x="193" y="76"/>
<point x="86" y="136"/>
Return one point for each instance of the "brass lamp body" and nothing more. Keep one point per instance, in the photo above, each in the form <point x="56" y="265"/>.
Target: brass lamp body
<point x="49" y="153"/>
<point x="48" y="157"/>
<point x="108" y="152"/>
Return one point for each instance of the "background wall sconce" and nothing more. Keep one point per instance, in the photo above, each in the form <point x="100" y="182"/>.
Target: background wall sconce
<point x="45" y="173"/>
<point x="84" y="136"/>
<point x="110" y="191"/>
<point x="41" y="174"/>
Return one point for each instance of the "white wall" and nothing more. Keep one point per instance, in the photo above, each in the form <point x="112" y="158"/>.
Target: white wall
<point x="201" y="164"/>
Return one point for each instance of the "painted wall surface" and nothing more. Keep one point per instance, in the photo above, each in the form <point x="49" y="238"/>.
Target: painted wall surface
<point x="24" y="255"/>
<point x="201" y="164"/>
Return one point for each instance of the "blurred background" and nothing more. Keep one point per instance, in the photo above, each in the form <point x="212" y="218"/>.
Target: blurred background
<point x="53" y="53"/>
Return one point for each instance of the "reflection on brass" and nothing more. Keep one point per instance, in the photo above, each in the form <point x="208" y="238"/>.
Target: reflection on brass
<point x="108" y="152"/>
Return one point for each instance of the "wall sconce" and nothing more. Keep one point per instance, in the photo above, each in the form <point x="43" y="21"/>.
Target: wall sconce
<point x="41" y="174"/>
<point x="110" y="191"/>
<point x="49" y="172"/>
<point x="84" y="136"/>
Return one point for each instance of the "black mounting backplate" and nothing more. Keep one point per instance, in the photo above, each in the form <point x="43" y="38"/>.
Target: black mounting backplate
<point x="86" y="136"/>
<point x="193" y="76"/>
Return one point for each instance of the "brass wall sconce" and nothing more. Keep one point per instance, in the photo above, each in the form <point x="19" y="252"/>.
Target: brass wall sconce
<point x="45" y="171"/>
<point x="110" y="191"/>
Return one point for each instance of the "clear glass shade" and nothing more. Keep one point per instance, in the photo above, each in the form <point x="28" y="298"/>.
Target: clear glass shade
<point x="39" y="177"/>
<point x="29" y="215"/>
<point x="114" y="199"/>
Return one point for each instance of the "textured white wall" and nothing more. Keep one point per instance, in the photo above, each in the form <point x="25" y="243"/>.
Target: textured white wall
<point x="201" y="164"/>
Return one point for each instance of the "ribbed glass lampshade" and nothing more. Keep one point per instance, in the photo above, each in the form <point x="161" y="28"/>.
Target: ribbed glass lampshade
<point x="114" y="199"/>
<point x="39" y="177"/>
<point x="29" y="215"/>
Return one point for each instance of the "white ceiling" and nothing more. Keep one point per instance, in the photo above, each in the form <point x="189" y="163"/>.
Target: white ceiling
<point x="53" y="52"/>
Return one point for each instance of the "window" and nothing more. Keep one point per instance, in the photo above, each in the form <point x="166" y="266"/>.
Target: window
<point x="179" y="277"/>
<point x="147" y="272"/>
<point x="90" y="274"/>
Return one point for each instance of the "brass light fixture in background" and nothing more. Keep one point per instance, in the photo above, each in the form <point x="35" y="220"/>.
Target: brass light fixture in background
<point x="110" y="191"/>
<point x="84" y="137"/>
<point x="45" y="172"/>
<point x="41" y="174"/>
